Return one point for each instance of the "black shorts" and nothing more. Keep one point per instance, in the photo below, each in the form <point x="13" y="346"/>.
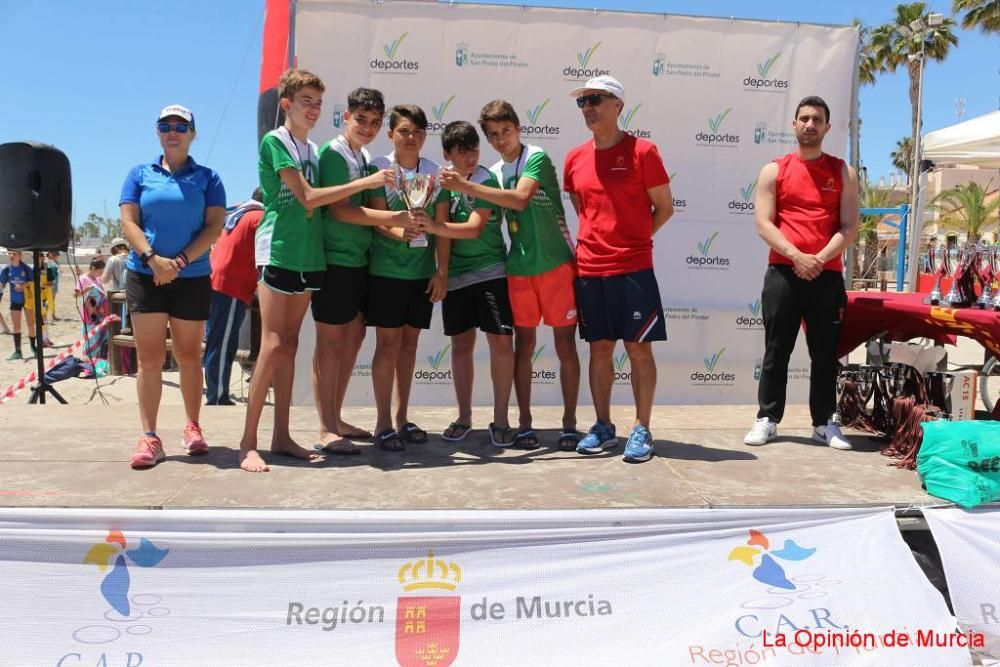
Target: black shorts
<point x="289" y="282"/>
<point x="485" y="305"/>
<point x="397" y="302"/>
<point x="343" y="295"/>
<point x="625" y="307"/>
<point x="16" y="306"/>
<point x="184" y="298"/>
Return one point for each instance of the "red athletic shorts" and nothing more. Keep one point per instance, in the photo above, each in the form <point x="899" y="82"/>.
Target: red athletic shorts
<point x="548" y="296"/>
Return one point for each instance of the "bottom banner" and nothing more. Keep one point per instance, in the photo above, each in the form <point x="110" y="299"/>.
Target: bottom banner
<point x="432" y="589"/>
<point x="969" y="542"/>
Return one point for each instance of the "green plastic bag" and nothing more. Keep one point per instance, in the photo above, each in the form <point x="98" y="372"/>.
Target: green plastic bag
<point x="959" y="485"/>
<point x="960" y="461"/>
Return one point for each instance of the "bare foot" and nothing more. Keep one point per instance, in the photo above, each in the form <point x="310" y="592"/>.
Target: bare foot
<point x="291" y="448"/>
<point x="353" y="432"/>
<point x="251" y="461"/>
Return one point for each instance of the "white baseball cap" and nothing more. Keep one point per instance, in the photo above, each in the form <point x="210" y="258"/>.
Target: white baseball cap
<point x="608" y="84"/>
<point x="178" y="111"/>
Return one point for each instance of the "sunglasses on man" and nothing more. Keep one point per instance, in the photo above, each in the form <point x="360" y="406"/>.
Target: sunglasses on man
<point x="593" y="99"/>
<point x="179" y="128"/>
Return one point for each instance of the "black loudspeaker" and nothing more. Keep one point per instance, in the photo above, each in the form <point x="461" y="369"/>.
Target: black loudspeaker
<point x="36" y="197"/>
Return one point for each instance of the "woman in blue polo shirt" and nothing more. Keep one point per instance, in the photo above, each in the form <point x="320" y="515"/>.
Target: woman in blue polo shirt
<point x="19" y="275"/>
<point x="172" y="210"/>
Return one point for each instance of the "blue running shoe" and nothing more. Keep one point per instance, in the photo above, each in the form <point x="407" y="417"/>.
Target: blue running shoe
<point x="601" y="437"/>
<point x="639" y="447"/>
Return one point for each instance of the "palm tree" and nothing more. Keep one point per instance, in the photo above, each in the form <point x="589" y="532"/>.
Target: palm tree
<point x="893" y="44"/>
<point x="902" y="157"/>
<point x="965" y="208"/>
<point x="871" y="197"/>
<point x="982" y="14"/>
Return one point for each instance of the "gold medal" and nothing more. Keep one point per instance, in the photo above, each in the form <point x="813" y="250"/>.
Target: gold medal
<point x="513" y="227"/>
<point x="309" y="213"/>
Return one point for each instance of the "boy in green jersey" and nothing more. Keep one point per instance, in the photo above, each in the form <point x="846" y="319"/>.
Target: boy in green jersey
<point x="289" y="254"/>
<point x="540" y="270"/>
<point x="338" y="308"/>
<point x="477" y="286"/>
<point x="405" y="280"/>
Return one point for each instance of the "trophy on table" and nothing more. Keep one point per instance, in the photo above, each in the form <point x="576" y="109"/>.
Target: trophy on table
<point x="937" y="258"/>
<point x="416" y="190"/>
<point x="986" y="273"/>
<point x="962" y="292"/>
<point x="995" y="263"/>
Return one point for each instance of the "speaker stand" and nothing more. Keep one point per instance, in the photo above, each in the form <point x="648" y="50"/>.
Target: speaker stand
<point x="39" y="390"/>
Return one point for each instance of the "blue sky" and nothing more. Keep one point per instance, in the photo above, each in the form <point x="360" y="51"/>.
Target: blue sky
<point x="89" y="78"/>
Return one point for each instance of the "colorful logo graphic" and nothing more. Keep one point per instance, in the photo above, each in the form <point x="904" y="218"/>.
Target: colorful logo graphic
<point x="462" y="54"/>
<point x="583" y="57"/>
<point x="435" y="359"/>
<point x="754" y="307"/>
<point x="753" y="321"/>
<point x="710" y="362"/>
<point x="625" y="121"/>
<point x="338" y="115"/>
<point x="116" y="584"/>
<point x="427" y="627"/>
<point x="620" y="361"/>
<point x="764" y="68"/>
<point x="769" y="571"/>
<point x="715" y="136"/>
<point x="390" y="48"/>
<point x="439" y="109"/>
<point x="704" y="246"/>
<point x="745" y="204"/>
<point x="538" y="353"/>
<point x="535" y="111"/>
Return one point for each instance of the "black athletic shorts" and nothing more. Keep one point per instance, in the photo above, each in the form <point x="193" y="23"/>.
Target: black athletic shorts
<point x="625" y="307"/>
<point x="397" y="302"/>
<point x="485" y="305"/>
<point x="289" y="282"/>
<point x="343" y="295"/>
<point x="184" y="298"/>
<point x="16" y="306"/>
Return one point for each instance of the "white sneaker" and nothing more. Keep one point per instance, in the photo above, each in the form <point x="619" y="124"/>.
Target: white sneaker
<point x="763" y="430"/>
<point x="831" y="435"/>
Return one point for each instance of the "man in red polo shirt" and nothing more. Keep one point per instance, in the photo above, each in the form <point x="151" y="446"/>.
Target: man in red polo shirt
<point x="621" y="194"/>
<point x="807" y="211"/>
<point x="234" y="281"/>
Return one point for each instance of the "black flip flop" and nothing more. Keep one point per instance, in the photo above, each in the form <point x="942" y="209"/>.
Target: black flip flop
<point x="413" y="434"/>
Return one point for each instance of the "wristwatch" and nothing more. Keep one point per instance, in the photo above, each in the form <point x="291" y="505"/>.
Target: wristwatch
<point x="147" y="256"/>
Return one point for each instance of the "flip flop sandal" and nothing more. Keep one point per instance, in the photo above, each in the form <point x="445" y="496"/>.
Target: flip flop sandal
<point x="385" y="440"/>
<point x="525" y="440"/>
<point x="498" y="435"/>
<point x="342" y="447"/>
<point x="462" y="431"/>
<point x="413" y="434"/>
<point x="568" y="440"/>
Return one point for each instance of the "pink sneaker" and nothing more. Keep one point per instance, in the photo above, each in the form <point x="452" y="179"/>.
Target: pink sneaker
<point x="194" y="441"/>
<point x="148" y="452"/>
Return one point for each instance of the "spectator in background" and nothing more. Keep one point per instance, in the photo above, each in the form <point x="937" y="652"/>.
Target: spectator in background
<point x="19" y="276"/>
<point x="234" y="281"/>
<point x="88" y="281"/>
<point x="113" y="277"/>
<point x="52" y="270"/>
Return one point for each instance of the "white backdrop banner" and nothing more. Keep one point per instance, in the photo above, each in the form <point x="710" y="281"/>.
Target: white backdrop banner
<point x="432" y="589"/>
<point x="717" y="96"/>
<point x="969" y="542"/>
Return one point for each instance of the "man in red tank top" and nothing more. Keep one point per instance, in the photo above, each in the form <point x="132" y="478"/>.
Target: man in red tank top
<point x="807" y="212"/>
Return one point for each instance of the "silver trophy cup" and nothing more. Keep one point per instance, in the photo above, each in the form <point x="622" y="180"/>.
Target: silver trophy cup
<point x="416" y="190"/>
<point x="937" y="258"/>
<point x="985" y="275"/>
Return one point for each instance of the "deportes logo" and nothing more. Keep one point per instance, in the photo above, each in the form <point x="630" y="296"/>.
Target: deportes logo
<point x="744" y="205"/>
<point x="436" y="375"/>
<point x="659" y="64"/>
<point x="751" y="320"/>
<point x="625" y="121"/>
<point x="715" y="135"/>
<point x="541" y="375"/>
<point x="584" y="70"/>
<point x="438" y="111"/>
<point x="428" y="626"/>
<point x="762" y="81"/>
<point x="713" y="375"/>
<point x="623" y="367"/>
<point x="391" y="64"/>
<point x="536" y="128"/>
<point x="705" y="259"/>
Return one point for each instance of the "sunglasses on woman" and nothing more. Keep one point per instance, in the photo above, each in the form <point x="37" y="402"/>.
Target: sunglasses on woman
<point x="179" y="128"/>
<point x="594" y="99"/>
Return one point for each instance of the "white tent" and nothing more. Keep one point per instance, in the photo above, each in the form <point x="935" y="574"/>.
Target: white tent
<point x="974" y="142"/>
